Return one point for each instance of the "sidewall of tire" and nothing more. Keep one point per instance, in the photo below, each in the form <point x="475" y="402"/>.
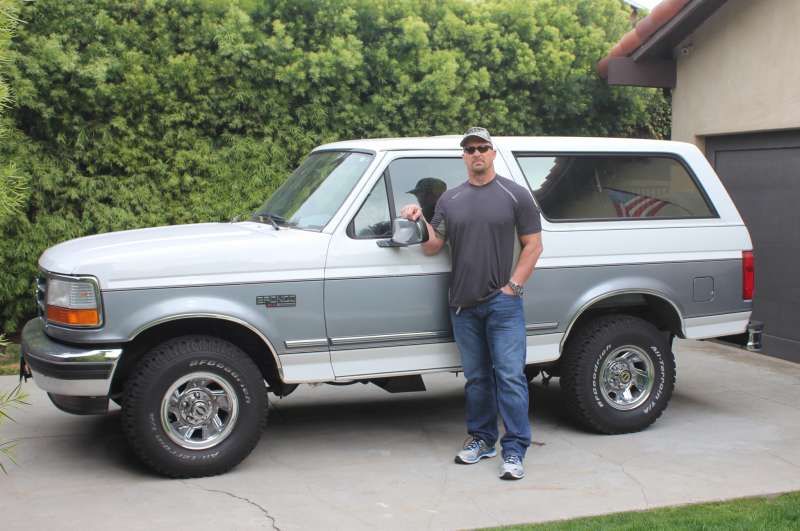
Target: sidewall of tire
<point x="590" y="407"/>
<point x="143" y="407"/>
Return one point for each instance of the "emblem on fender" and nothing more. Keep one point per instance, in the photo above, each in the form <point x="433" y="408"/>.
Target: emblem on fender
<point x="277" y="301"/>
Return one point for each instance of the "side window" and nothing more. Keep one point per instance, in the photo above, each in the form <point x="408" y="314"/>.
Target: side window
<point x="422" y="180"/>
<point x="373" y="219"/>
<point x="583" y="187"/>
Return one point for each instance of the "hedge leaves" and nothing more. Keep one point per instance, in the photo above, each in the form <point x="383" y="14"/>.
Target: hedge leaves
<point x="141" y="113"/>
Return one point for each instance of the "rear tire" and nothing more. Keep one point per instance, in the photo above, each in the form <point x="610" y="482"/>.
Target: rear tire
<point x="617" y="374"/>
<point x="195" y="406"/>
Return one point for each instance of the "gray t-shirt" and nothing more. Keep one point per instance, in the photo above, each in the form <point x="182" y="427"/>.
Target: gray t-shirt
<point x="479" y="222"/>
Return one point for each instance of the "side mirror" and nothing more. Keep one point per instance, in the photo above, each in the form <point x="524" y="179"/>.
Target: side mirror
<point x="406" y="232"/>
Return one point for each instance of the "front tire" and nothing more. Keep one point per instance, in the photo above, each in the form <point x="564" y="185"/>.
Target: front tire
<point x="618" y="374"/>
<point x="195" y="406"/>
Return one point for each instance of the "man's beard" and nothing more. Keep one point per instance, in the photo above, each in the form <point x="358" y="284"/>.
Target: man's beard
<point x="480" y="171"/>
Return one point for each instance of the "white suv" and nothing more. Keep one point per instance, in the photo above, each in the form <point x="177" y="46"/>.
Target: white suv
<point x="188" y="327"/>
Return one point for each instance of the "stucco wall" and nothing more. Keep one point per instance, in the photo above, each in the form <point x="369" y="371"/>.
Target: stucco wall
<point x="741" y="72"/>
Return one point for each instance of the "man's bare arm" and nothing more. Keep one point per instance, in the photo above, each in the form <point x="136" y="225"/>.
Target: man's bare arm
<point x="531" y="250"/>
<point x="434" y="243"/>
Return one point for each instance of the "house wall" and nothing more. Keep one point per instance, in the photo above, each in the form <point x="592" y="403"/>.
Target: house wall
<point x="739" y="72"/>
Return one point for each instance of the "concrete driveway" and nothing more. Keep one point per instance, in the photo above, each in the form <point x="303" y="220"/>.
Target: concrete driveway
<point x="357" y="457"/>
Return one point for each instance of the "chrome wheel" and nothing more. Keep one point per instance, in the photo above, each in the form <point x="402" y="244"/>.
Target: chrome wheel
<point x="626" y="377"/>
<point x="199" y="410"/>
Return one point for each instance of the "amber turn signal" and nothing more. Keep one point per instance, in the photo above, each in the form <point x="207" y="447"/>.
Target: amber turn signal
<point x="67" y="316"/>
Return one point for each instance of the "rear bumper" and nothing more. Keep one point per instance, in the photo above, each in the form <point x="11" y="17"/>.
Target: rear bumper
<point x="68" y="370"/>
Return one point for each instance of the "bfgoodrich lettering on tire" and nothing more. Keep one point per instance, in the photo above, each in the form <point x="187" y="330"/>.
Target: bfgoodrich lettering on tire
<point x="195" y="406"/>
<point x="618" y="373"/>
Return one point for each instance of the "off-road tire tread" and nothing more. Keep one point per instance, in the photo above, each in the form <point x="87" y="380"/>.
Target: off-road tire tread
<point x="578" y="348"/>
<point x="153" y="363"/>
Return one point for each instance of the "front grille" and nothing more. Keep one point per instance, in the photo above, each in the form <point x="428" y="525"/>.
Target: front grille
<point x="41" y="293"/>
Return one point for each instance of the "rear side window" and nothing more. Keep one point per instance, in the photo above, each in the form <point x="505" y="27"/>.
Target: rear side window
<point x="605" y="187"/>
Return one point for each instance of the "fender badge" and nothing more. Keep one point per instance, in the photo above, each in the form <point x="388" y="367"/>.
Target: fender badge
<point x="277" y="301"/>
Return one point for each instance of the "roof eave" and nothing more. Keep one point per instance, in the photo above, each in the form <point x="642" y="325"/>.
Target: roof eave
<point x="644" y="55"/>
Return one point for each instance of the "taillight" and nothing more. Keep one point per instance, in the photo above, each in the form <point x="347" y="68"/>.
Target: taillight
<point x="748" y="275"/>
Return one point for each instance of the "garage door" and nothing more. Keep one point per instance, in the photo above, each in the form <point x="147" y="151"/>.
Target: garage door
<point x="762" y="174"/>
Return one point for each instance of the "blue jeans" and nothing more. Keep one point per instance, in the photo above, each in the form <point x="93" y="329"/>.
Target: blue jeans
<point x="492" y="340"/>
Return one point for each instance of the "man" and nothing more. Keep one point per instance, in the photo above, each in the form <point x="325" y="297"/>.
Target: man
<point x="481" y="219"/>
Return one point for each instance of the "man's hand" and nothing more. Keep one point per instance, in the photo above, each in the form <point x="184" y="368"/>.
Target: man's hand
<point x="507" y="290"/>
<point x="411" y="212"/>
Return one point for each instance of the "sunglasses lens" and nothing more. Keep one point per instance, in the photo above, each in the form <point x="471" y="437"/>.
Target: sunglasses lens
<point x="481" y="149"/>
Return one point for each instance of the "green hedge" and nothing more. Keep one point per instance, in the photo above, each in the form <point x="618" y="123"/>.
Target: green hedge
<point x="142" y="113"/>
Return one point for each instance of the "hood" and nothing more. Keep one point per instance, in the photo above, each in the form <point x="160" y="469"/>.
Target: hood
<point x="187" y="255"/>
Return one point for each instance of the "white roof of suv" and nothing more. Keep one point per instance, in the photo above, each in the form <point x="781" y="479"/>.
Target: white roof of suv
<point x="516" y="143"/>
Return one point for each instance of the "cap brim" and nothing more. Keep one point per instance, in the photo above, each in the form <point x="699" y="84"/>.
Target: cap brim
<point x="464" y="140"/>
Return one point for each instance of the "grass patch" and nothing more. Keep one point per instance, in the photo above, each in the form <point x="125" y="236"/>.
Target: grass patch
<point x="9" y="360"/>
<point x="771" y="513"/>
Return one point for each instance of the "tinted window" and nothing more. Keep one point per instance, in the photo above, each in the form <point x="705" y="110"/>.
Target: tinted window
<point x="422" y="180"/>
<point x="373" y="219"/>
<point x="612" y="187"/>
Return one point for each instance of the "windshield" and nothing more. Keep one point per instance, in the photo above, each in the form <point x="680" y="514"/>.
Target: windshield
<point x="314" y="192"/>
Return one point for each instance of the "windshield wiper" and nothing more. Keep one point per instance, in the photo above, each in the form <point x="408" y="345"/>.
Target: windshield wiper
<point x="272" y="218"/>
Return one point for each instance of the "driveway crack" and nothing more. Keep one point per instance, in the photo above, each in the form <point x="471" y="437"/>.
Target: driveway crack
<point x="602" y="457"/>
<point x="639" y="483"/>
<point x="241" y="498"/>
<point x="783" y="459"/>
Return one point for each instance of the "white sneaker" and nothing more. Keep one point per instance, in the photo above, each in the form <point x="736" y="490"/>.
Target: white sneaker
<point x="512" y="468"/>
<point x="474" y="450"/>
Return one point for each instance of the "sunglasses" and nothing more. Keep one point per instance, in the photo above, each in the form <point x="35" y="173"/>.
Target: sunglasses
<point x="480" y="149"/>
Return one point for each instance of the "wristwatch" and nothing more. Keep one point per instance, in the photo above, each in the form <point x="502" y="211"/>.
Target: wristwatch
<point x="516" y="288"/>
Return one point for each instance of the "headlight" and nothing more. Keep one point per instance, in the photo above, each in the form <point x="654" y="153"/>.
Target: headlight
<point x="73" y="302"/>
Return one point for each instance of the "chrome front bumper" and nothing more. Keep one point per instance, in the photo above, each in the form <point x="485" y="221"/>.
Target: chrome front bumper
<point x="66" y="370"/>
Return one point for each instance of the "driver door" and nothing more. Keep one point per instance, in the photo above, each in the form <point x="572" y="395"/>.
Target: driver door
<point x="386" y="308"/>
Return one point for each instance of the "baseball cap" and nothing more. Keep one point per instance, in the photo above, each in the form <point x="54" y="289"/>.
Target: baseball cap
<point x="477" y="132"/>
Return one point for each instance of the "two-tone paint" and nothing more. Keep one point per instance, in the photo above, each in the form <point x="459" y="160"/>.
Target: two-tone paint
<point x="363" y="311"/>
